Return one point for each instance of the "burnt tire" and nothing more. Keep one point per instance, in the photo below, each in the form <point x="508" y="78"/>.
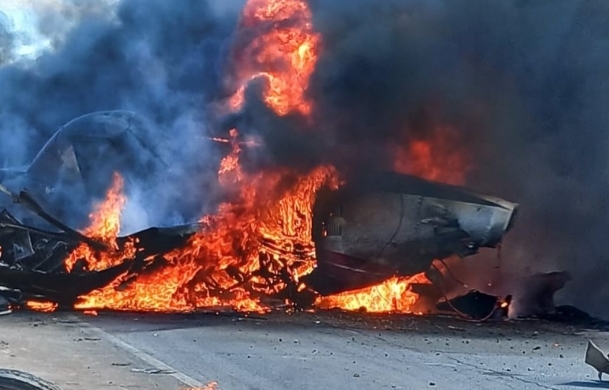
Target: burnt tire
<point x="19" y="380"/>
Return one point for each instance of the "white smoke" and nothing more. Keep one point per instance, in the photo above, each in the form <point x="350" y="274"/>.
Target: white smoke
<point x="35" y="26"/>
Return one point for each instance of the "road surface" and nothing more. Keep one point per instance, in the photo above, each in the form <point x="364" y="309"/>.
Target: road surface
<point x="305" y="351"/>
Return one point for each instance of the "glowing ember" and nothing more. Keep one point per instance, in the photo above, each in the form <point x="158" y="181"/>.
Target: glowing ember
<point x="208" y="386"/>
<point x="390" y="296"/>
<point x="284" y="52"/>
<point x="439" y="157"/>
<point x="105" y="225"/>
<point x="230" y="170"/>
<point x="41" y="306"/>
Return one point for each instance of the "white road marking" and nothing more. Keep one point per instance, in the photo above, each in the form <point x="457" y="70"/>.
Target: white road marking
<point x="154" y="362"/>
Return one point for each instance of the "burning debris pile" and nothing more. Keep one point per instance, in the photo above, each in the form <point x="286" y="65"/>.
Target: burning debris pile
<point x="307" y="247"/>
<point x="317" y="242"/>
<point x="285" y="230"/>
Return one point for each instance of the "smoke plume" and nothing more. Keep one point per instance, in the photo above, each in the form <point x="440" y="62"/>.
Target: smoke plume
<point x="525" y="85"/>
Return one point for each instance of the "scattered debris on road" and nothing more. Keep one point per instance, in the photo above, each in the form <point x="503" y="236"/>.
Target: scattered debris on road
<point x="153" y="371"/>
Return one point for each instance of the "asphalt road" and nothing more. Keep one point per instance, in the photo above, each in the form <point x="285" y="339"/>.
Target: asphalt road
<point x="309" y="351"/>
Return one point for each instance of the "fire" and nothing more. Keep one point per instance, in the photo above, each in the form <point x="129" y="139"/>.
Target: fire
<point x="105" y="226"/>
<point x="283" y="52"/>
<point x="259" y="241"/>
<point x="209" y="386"/>
<point x="390" y="296"/>
<point x="438" y="157"/>
<point x="244" y="252"/>
<point x="41" y="306"/>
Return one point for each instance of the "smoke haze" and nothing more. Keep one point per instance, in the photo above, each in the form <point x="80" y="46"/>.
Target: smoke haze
<point x="525" y="85"/>
<point x="159" y="60"/>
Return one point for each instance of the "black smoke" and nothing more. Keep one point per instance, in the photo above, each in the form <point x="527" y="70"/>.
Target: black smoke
<point x="526" y="84"/>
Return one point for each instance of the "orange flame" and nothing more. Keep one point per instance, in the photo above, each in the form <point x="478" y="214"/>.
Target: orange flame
<point x="209" y="386"/>
<point x="285" y="54"/>
<point x="46" y="307"/>
<point x="242" y="252"/>
<point x="105" y="225"/>
<point x="260" y="240"/>
<point x="440" y="157"/>
<point x="390" y="296"/>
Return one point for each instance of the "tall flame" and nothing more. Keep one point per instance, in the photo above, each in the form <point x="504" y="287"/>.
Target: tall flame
<point x="105" y="226"/>
<point x="258" y="242"/>
<point x="283" y="51"/>
<point x="244" y="252"/>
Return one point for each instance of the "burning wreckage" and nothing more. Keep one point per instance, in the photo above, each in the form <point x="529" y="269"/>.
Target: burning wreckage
<point x="378" y="231"/>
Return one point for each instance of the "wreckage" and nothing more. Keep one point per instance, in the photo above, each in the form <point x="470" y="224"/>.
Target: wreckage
<point x="72" y="171"/>
<point x="377" y="226"/>
<point x="386" y="224"/>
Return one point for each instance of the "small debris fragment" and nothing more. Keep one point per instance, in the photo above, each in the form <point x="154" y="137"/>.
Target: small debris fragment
<point x="120" y="364"/>
<point x="597" y="359"/>
<point x="356" y="375"/>
<point x="456" y="328"/>
<point x="152" y="371"/>
<point x="432" y="383"/>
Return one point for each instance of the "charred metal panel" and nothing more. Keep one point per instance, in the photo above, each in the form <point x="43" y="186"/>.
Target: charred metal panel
<point x="400" y="224"/>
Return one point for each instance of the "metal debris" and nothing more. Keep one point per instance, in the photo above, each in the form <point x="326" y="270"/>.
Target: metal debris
<point x="597" y="359"/>
<point x="389" y="224"/>
<point x="153" y="371"/>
